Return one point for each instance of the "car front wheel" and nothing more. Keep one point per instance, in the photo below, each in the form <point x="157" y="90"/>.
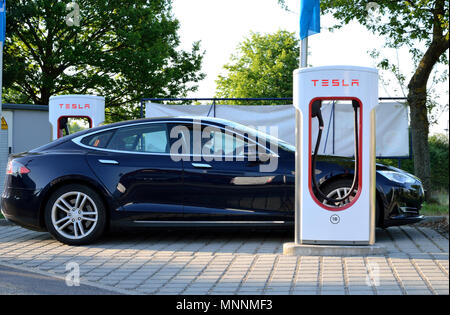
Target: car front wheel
<point x="75" y="215"/>
<point x="339" y="188"/>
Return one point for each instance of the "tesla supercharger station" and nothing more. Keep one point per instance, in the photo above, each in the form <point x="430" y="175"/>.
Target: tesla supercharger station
<point x="64" y="107"/>
<point x="336" y="221"/>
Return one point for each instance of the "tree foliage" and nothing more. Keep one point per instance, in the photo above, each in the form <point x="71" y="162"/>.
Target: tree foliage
<point x="400" y="22"/>
<point x="411" y="24"/>
<point x="262" y="67"/>
<point x="121" y="49"/>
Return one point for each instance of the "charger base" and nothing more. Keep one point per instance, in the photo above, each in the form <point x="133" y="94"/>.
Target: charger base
<point x="293" y="249"/>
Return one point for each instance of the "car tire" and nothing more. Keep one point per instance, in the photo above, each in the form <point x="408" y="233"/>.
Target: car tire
<point x="75" y="215"/>
<point x="379" y="221"/>
<point x="329" y="187"/>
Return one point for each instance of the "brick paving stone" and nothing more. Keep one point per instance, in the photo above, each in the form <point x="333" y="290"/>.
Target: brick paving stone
<point x="198" y="263"/>
<point x="332" y="292"/>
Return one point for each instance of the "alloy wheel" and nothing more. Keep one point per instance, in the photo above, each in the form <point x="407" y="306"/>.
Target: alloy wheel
<point x="74" y="215"/>
<point x="337" y="194"/>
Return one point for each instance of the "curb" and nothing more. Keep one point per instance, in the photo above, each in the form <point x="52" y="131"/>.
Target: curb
<point x="434" y="219"/>
<point x="62" y="277"/>
<point x="292" y="249"/>
<point x="4" y="222"/>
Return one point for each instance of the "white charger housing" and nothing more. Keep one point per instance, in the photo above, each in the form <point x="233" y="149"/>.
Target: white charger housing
<point x="75" y="106"/>
<point x="353" y="223"/>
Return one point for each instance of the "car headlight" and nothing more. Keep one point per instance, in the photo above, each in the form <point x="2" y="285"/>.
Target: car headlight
<point x="398" y="177"/>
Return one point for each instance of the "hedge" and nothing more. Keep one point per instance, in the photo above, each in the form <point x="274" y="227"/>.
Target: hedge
<point x="439" y="162"/>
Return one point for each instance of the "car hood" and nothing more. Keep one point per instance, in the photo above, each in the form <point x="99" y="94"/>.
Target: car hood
<point x="349" y="163"/>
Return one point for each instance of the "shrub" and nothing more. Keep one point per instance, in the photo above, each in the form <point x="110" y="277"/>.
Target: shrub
<point x="439" y="162"/>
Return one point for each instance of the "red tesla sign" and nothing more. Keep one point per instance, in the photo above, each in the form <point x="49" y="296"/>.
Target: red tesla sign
<point x="75" y="106"/>
<point x="335" y="82"/>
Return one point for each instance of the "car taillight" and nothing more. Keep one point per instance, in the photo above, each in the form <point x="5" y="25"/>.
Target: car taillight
<point x="15" y="167"/>
<point x="9" y="168"/>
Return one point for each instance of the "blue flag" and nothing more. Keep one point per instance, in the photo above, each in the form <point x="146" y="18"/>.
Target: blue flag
<point x="2" y="20"/>
<point x="309" y="18"/>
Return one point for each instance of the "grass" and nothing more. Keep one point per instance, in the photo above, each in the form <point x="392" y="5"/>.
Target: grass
<point x="434" y="209"/>
<point x="437" y="205"/>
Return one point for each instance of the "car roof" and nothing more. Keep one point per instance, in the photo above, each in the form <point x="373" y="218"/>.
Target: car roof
<point x="215" y="120"/>
<point x="218" y="121"/>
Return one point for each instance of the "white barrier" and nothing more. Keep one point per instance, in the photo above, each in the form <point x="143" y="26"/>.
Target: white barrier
<point x="392" y="132"/>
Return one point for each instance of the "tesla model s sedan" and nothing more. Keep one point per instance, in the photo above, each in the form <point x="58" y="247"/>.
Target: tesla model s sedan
<point x="177" y="172"/>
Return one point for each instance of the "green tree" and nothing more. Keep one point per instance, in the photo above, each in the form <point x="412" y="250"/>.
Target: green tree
<point x="262" y="67"/>
<point x="411" y="24"/>
<point x="121" y="49"/>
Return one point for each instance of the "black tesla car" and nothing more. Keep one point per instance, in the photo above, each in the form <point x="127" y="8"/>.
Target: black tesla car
<point x="177" y="172"/>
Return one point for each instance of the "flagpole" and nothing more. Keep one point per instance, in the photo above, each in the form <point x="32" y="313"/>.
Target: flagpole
<point x="1" y="75"/>
<point x="2" y="41"/>
<point x="304" y="53"/>
<point x="298" y="148"/>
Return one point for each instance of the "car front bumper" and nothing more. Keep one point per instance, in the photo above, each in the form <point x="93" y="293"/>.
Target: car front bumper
<point x="402" y="204"/>
<point x="403" y="219"/>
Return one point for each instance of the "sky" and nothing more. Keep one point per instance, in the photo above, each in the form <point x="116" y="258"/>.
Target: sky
<point x="221" y="25"/>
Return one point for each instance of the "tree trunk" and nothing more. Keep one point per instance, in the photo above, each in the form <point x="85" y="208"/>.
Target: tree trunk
<point x="420" y="129"/>
<point x="417" y="98"/>
<point x="45" y="96"/>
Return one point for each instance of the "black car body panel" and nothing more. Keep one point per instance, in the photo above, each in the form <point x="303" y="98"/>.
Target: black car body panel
<point x="148" y="188"/>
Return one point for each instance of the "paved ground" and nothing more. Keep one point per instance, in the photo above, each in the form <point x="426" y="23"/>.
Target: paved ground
<point x="15" y="281"/>
<point x="224" y="262"/>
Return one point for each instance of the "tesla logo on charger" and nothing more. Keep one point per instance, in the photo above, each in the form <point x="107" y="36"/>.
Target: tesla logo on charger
<point x="335" y="82"/>
<point x="75" y="106"/>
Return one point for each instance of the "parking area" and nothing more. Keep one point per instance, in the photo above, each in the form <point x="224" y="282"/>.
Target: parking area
<point x="230" y="262"/>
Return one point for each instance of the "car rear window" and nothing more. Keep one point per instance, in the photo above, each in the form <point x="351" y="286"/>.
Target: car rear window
<point x="98" y="140"/>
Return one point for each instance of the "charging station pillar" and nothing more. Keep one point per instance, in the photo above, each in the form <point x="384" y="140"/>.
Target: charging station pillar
<point x="354" y="222"/>
<point x="64" y="107"/>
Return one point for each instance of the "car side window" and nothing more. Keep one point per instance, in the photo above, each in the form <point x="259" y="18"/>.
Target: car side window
<point x="149" y="138"/>
<point x="227" y="144"/>
<point x="214" y="141"/>
<point x="98" y="140"/>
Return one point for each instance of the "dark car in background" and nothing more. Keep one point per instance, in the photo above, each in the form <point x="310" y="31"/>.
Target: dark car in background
<point x="149" y="173"/>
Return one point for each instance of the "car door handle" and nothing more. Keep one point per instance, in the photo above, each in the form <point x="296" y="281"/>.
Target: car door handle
<point x="201" y="165"/>
<point x="110" y="162"/>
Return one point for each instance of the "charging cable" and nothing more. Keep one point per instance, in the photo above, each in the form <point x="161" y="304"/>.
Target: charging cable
<point x="317" y="112"/>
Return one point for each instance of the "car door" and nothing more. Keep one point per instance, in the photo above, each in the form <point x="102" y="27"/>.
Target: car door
<point x="134" y="164"/>
<point x="223" y="182"/>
